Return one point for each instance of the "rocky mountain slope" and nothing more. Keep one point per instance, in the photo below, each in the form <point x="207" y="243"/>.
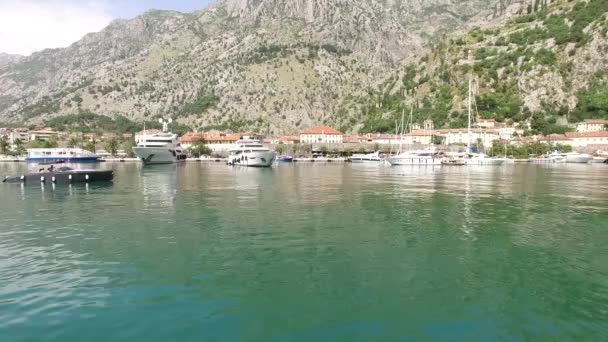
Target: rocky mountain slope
<point x="6" y="59"/>
<point x="270" y="65"/>
<point x="545" y="68"/>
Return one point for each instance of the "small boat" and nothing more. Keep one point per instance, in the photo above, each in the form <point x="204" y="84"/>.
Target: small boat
<point x="55" y="155"/>
<point x="366" y="158"/>
<point x="598" y="160"/>
<point x="577" y="158"/>
<point x="552" y="158"/>
<point x="284" y="159"/>
<point x="421" y="157"/>
<point x="62" y="175"/>
<point x="453" y="162"/>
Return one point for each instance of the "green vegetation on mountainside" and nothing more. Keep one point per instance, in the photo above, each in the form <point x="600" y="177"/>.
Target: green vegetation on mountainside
<point x="542" y="68"/>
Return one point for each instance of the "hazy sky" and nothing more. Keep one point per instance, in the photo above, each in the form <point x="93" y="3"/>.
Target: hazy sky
<point x="31" y="25"/>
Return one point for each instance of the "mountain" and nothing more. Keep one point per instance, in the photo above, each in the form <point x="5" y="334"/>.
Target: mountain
<point x="269" y="65"/>
<point x="545" y="68"/>
<point x="7" y="59"/>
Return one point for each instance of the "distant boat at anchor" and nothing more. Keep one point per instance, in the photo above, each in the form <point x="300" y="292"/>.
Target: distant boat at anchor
<point x="60" y="155"/>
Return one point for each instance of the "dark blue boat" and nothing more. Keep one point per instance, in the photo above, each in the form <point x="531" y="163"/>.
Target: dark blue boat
<point x="284" y="159"/>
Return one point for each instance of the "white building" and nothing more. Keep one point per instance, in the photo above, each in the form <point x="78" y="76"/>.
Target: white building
<point x="591" y="125"/>
<point x="461" y="136"/>
<point x="321" y="135"/>
<point x="588" y="139"/>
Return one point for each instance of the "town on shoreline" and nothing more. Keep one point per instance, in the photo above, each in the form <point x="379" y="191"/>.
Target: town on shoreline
<point x="488" y="135"/>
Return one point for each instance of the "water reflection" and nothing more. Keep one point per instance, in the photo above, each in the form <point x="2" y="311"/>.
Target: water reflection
<point x="159" y="186"/>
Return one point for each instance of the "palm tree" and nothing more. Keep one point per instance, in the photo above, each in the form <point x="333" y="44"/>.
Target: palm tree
<point x="3" y="145"/>
<point x="112" y="146"/>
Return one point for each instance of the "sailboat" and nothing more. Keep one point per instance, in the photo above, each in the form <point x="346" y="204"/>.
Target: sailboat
<point x="418" y="157"/>
<point x="476" y="158"/>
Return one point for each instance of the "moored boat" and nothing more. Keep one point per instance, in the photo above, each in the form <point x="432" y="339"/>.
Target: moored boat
<point x="284" y="159"/>
<point x="578" y="158"/>
<point x="250" y="152"/>
<point x="552" y="158"/>
<point x="366" y="158"/>
<point x="421" y="158"/>
<point x="65" y="175"/>
<point x="65" y="155"/>
<point x="598" y="160"/>
<point x="160" y="148"/>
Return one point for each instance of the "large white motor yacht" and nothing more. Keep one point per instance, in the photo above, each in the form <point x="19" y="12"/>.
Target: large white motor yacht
<point x="420" y="157"/>
<point x="160" y="148"/>
<point x="250" y="152"/>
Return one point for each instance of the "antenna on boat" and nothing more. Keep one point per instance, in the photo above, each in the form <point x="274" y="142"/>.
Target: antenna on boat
<point x="165" y="124"/>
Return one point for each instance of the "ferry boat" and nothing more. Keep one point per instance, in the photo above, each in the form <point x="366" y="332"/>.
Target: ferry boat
<point x="61" y="155"/>
<point x="250" y="152"/>
<point x="160" y="148"/>
<point x="366" y="158"/>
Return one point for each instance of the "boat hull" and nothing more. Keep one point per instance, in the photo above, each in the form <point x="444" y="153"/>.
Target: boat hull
<point x="67" y="177"/>
<point x="484" y="161"/>
<point x="253" y="159"/>
<point x="598" y="160"/>
<point x="578" y="159"/>
<point x="414" y="161"/>
<point x="284" y="159"/>
<point x="158" y="155"/>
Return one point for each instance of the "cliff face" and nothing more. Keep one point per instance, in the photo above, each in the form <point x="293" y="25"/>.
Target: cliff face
<point x="545" y="69"/>
<point x="271" y="65"/>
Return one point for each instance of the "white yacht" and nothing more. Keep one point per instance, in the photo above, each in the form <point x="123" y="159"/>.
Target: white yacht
<point x="366" y="158"/>
<point x="62" y="155"/>
<point x="598" y="160"/>
<point x="420" y="157"/>
<point x="160" y="148"/>
<point x="250" y="152"/>
<point x="481" y="159"/>
<point x="577" y="158"/>
<point x="552" y="158"/>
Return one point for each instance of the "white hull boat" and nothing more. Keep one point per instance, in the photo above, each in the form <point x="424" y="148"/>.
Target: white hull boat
<point x="420" y="158"/>
<point x="160" y="148"/>
<point x="366" y="158"/>
<point x="598" y="160"/>
<point x="251" y="152"/>
<point x="578" y="158"/>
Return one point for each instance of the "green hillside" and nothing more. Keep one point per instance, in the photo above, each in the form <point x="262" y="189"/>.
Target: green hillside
<point x="546" y="67"/>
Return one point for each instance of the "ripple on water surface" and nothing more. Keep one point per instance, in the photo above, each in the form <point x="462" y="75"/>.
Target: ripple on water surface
<point x="308" y="251"/>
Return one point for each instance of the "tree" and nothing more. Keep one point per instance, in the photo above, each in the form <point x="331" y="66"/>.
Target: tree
<point x="199" y="148"/>
<point x="52" y="142"/>
<point x="3" y="145"/>
<point x="74" y="142"/>
<point x="127" y="146"/>
<point x="111" y="146"/>
<point x="90" y="146"/>
<point x="279" y="149"/>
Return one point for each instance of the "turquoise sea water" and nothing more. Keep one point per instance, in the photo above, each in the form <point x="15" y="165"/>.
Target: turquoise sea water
<point x="308" y="252"/>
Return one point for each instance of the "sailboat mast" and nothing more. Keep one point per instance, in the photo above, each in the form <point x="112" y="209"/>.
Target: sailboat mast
<point x="469" y="129"/>
<point x="402" y="129"/>
<point x="144" y="135"/>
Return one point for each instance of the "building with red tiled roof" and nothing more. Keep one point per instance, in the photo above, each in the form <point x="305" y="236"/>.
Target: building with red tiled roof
<point x="321" y="135"/>
<point x="592" y="125"/>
